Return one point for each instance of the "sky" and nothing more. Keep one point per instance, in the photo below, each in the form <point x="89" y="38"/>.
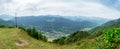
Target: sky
<point x="92" y="8"/>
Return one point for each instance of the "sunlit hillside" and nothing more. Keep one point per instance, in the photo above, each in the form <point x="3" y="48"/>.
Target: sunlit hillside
<point x="12" y="38"/>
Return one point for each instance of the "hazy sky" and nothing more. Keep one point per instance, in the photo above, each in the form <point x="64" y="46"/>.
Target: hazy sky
<point x="99" y="8"/>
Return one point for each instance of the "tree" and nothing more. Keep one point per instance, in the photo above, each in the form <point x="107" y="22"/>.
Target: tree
<point x="36" y="34"/>
<point x="62" y="40"/>
<point x="72" y="38"/>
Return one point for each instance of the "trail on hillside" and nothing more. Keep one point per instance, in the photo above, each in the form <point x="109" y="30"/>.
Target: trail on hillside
<point x="19" y="42"/>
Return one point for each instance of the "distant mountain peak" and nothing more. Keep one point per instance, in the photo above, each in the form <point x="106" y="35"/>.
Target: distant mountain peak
<point x="6" y="17"/>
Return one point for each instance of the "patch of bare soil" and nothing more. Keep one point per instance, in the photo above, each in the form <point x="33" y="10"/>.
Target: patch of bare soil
<point x="21" y="43"/>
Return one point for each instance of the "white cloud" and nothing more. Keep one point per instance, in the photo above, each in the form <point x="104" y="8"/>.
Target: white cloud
<point x="59" y="7"/>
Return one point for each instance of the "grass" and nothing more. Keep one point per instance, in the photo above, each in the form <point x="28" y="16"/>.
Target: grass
<point x="9" y="36"/>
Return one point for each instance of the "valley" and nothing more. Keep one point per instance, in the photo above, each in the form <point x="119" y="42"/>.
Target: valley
<point x="55" y="26"/>
<point x="25" y="38"/>
<point x="59" y="24"/>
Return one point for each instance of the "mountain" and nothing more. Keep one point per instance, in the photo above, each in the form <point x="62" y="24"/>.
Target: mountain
<point x="110" y="24"/>
<point x="6" y="17"/>
<point x="6" y="20"/>
<point x="55" y="26"/>
<point x="96" y="20"/>
<point x="8" y="23"/>
<point x="107" y="36"/>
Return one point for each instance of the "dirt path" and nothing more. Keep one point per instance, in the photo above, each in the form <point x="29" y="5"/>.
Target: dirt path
<point x="19" y="42"/>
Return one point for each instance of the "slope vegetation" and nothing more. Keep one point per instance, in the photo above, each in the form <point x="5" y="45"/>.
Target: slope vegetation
<point x="12" y="38"/>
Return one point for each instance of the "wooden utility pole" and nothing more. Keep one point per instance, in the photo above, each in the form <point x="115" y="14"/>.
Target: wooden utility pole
<point x="16" y="19"/>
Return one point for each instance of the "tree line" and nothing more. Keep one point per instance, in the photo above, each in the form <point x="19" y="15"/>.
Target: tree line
<point x="76" y="36"/>
<point x="34" y="33"/>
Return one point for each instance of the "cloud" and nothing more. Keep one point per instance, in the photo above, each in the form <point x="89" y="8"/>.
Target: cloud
<point x="98" y="8"/>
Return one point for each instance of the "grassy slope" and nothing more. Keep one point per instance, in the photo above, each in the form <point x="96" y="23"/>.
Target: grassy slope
<point x="9" y="36"/>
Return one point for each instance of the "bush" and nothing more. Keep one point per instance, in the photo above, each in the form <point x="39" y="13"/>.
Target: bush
<point x="1" y="26"/>
<point x="6" y="26"/>
<point x="60" y="41"/>
<point x="112" y="37"/>
<point x="11" y="27"/>
<point x="22" y="28"/>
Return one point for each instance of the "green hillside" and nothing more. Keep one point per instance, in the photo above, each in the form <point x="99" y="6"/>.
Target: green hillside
<point x="12" y="38"/>
<point x="76" y="36"/>
<point x="107" y="38"/>
<point x="99" y="29"/>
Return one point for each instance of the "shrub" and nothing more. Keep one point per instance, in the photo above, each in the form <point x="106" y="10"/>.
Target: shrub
<point x="112" y="37"/>
<point x="1" y="26"/>
<point x="60" y="41"/>
<point x="22" y="28"/>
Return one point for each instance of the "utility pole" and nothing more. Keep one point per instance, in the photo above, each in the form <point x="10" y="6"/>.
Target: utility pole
<point x="16" y="19"/>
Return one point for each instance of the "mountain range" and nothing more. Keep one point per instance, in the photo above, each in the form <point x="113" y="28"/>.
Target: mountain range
<point x="57" y="26"/>
<point x="101" y="36"/>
